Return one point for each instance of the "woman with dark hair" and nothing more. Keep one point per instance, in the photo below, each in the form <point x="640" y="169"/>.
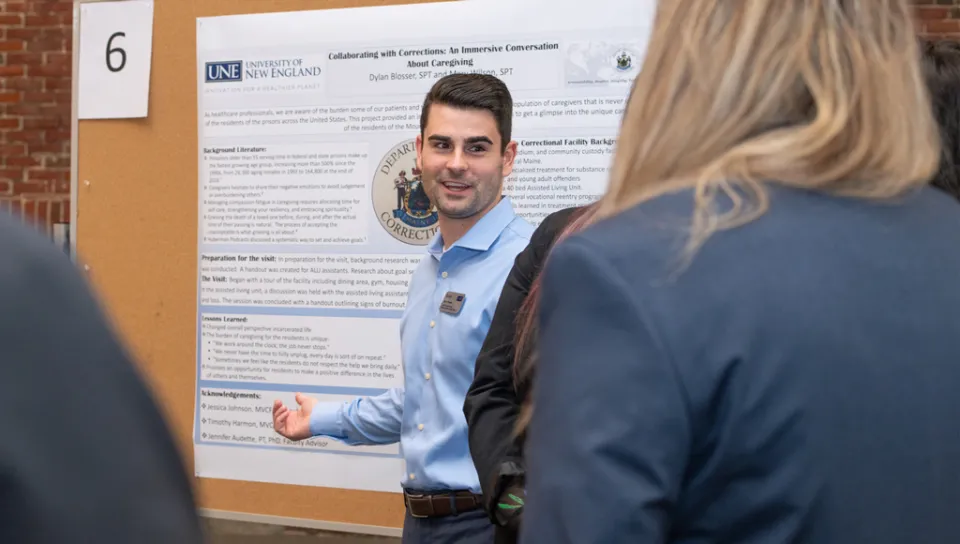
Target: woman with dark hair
<point x="504" y="370"/>
<point x="941" y="69"/>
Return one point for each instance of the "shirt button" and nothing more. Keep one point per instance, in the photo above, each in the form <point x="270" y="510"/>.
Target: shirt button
<point x="427" y="375"/>
<point x="444" y="275"/>
<point x="413" y="476"/>
<point x="420" y="426"/>
<point x="433" y="324"/>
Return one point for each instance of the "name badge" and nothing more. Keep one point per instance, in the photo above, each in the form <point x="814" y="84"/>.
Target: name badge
<point x="452" y="303"/>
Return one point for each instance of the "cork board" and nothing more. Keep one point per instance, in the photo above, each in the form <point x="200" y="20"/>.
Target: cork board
<point x="136" y="229"/>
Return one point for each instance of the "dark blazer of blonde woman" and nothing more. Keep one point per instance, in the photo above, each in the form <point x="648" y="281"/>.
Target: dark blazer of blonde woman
<point x="796" y="381"/>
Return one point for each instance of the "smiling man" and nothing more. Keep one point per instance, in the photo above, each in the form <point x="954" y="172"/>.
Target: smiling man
<point x="464" y="151"/>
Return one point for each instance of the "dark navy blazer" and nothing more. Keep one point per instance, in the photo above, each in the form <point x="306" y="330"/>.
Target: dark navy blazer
<point x="797" y="381"/>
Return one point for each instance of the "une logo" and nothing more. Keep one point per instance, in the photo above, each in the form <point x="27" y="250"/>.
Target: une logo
<point x="224" y="71"/>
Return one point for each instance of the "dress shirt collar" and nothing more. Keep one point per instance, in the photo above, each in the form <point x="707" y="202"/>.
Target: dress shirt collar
<point x="483" y="234"/>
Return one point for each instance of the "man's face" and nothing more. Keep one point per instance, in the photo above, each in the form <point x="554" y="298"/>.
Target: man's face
<point x="462" y="166"/>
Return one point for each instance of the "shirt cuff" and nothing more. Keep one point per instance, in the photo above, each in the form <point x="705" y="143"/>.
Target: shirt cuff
<point x="326" y="419"/>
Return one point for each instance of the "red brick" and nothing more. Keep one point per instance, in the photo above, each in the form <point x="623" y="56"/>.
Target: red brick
<point x="27" y="33"/>
<point x="47" y="148"/>
<point x="24" y="58"/>
<point x="57" y="135"/>
<point x="57" y="58"/>
<point x="8" y="71"/>
<point x="39" y="21"/>
<point x="11" y="45"/>
<point x="56" y="109"/>
<point x="60" y="6"/>
<point x="49" y="70"/>
<point x="15" y="7"/>
<point x="13" y="174"/>
<point x="22" y="109"/>
<point x="47" y="120"/>
<point x="6" y="187"/>
<point x="57" y="84"/>
<point x="39" y="98"/>
<point x="48" y="174"/>
<point x="929" y="13"/>
<point x="24" y="84"/>
<point x="21" y="161"/>
<point x="45" y="44"/>
<point x="26" y="136"/>
<point x="938" y="27"/>
<point x="12" y="150"/>
<point x="11" y="19"/>
<point x="53" y="211"/>
<point x="22" y="187"/>
<point x="9" y="97"/>
<point x="10" y="122"/>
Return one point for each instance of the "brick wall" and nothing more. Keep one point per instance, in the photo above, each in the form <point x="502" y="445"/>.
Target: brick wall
<point x="35" y="103"/>
<point x="939" y="18"/>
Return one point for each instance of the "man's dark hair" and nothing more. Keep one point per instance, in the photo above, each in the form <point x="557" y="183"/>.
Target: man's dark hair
<point x="473" y="91"/>
<point x="941" y="67"/>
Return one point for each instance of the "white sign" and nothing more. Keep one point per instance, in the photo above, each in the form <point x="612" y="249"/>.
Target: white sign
<point x="116" y="39"/>
<point x="310" y="223"/>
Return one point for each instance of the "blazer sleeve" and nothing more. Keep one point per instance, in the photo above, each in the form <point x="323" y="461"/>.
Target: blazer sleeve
<point x="491" y="405"/>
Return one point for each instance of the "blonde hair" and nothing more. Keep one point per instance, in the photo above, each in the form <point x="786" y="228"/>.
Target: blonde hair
<point x="823" y="95"/>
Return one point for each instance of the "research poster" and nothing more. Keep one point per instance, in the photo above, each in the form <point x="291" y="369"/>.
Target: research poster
<point x="312" y="215"/>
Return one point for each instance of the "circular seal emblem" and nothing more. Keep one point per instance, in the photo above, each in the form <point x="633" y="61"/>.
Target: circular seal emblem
<point x="400" y="201"/>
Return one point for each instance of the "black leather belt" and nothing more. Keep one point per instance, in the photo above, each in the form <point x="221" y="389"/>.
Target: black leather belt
<point x="435" y="505"/>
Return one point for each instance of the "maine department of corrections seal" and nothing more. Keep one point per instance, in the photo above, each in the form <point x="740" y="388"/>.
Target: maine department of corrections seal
<point x="400" y="201"/>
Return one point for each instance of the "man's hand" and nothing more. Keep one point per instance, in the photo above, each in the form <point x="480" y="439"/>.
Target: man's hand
<point x="294" y="425"/>
<point x="509" y="508"/>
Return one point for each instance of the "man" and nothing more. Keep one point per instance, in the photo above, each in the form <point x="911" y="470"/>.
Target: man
<point x="86" y="454"/>
<point x="464" y="151"/>
<point x="400" y="184"/>
<point x="941" y="68"/>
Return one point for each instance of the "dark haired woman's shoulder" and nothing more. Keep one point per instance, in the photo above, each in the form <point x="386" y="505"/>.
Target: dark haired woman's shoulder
<point x="554" y="223"/>
<point x="543" y="238"/>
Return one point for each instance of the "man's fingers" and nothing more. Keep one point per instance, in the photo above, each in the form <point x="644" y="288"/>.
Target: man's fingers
<point x="280" y="424"/>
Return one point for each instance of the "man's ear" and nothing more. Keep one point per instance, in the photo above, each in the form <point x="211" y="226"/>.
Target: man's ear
<point x="419" y="151"/>
<point x="509" y="155"/>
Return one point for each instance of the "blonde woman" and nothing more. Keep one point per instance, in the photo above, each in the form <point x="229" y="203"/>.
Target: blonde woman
<point x="759" y="340"/>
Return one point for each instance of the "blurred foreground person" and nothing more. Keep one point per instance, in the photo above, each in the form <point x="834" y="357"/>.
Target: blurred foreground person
<point x="85" y="454"/>
<point x="759" y="340"/>
<point x="941" y="66"/>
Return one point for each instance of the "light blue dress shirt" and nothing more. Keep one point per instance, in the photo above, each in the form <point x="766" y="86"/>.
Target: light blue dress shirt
<point x="439" y="351"/>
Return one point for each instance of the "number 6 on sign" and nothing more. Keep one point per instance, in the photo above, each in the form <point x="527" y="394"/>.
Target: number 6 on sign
<point x="116" y="40"/>
<point x="110" y="51"/>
